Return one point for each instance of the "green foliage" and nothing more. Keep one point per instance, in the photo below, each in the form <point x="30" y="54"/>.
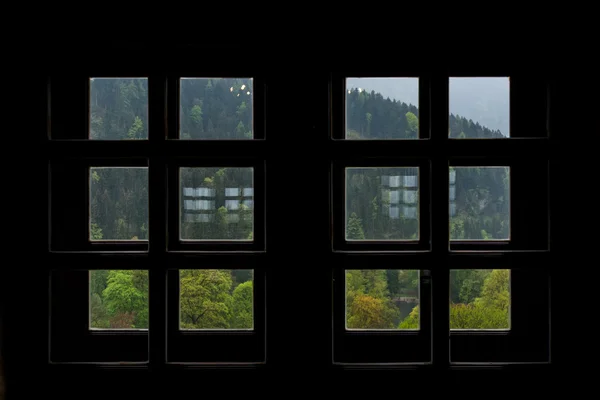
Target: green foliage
<point x="412" y="321"/>
<point x="205" y="299"/>
<point x="118" y="108"/>
<point x="242" y="306"/>
<point x="137" y="129"/>
<point x="482" y="209"/>
<point x="413" y="125"/>
<point x="98" y="314"/>
<point x="216" y="108"/>
<point x="354" y="228"/>
<point x="495" y="292"/>
<point x="368" y="312"/>
<point x="368" y="302"/>
<point x="471" y="316"/>
<point x="126" y="297"/>
<point x="484" y="299"/>
<point x="98" y="281"/>
<point x="95" y="232"/>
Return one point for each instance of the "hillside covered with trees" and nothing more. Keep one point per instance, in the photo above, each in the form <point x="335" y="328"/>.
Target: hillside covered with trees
<point x="217" y="203"/>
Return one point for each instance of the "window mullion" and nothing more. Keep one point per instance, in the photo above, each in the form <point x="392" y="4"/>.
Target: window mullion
<point x="439" y="220"/>
<point x="157" y="239"/>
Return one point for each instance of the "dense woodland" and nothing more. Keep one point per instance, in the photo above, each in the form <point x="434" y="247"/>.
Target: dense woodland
<point x="209" y="299"/>
<point x="217" y="203"/>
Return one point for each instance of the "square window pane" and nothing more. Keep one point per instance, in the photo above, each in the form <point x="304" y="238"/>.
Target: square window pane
<point x="382" y="203"/>
<point x="118" y="299"/>
<point x="480" y="299"/>
<point x="382" y="299"/>
<point x="216" y="204"/>
<point x="479" y="108"/>
<point x="216" y="299"/>
<point x="118" y="108"/>
<point x="118" y="203"/>
<point x="215" y="108"/>
<point x="479" y="203"/>
<point x="382" y="108"/>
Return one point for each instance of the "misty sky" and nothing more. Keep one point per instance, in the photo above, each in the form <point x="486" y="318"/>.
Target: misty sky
<point x="484" y="100"/>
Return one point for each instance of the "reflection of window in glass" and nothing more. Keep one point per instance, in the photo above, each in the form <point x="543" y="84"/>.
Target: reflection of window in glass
<point x="216" y="299"/>
<point x="410" y="181"/>
<point x="382" y="299"/>
<point x="232" y="192"/>
<point x="452" y="176"/>
<point x="479" y="107"/>
<point x="409" y="212"/>
<point x="214" y="212"/>
<point x="452" y="209"/>
<point x="118" y="299"/>
<point x="480" y="299"/>
<point x="205" y="192"/>
<point x="216" y="108"/>
<point x="118" y="108"/>
<point x="232" y="204"/>
<point x="118" y="203"/>
<point x="481" y="198"/>
<point x="409" y="196"/>
<point x="398" y="100"/>
<point x="374" y="203"/>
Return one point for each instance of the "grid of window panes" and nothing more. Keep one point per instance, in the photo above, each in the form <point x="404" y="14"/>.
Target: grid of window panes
<point x="216" y="203"/>
<point x="382" y="203"/>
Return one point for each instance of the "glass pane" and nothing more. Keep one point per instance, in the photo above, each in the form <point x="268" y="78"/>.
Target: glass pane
<point x="479" y="108"/>
<point x="216" y="204"/>
<point x="216" y="299"/>
<point x="118" y="108"/>
<point x="216" y="108"/>
<point x="382" y="108"/>
<point x="382" y="203"/>
<point x="118" y="299"/>
<point x="480" y="299"/>
<point x="479" y="203"/>
<point x="118" y="203"/>
<point x="382" y="299"/>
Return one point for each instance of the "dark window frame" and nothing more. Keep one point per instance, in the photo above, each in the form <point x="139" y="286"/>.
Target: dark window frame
<point x="280" y="354"/>
<point x="163" y="153"/>
<point x="521" y="255"/>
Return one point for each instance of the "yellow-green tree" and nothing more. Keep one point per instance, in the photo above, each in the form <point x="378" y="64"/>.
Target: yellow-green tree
<point x="242" y="306"/>
<point x="412" y="321"/>
<point x="205" y="299"/>
<point x="368" y="312"/>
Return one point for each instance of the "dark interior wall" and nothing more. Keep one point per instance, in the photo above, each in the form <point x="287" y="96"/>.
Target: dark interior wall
<point x="24" y="334"/>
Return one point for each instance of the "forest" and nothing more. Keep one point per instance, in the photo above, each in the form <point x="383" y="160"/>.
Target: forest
<point x="217" y="203"/>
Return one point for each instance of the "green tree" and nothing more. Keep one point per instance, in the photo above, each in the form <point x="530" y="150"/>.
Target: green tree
<point x="495" y="291"/>
<point x="98" y="314"/>
<point x="137" y="129"/>
<point x="242" y="306"/>
<point x="411" y="321"/>
<point x="95" y="232"/>
<point x="413" y="125"/>
<point x="368" y="312"/>
<point x="472" y="316"/>
<point x="126" y="293"/>
<point x="354" y="229"/>
<point x="205" y="299"/>
<point x="240" y="130"/>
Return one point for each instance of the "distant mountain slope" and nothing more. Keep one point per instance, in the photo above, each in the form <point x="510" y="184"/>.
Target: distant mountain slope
<point x="483" y="100"/>
<point x="371" y="116"/>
